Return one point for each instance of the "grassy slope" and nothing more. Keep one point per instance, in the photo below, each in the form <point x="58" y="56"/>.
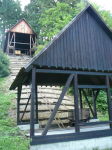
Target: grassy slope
<point x="9" y="139"/>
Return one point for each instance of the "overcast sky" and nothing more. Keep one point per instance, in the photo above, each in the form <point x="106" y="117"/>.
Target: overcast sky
<point x="107" y="4"/>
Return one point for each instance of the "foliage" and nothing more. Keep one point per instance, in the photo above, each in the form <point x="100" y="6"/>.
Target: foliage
<point x="103" y="117"/>
<point x="39" y="48"/>
<point x="10" y="13"/>
<point x="105" y="14"/>
<point x="54" y="19"/>
<point x="32" y="14"/>
<point x="4" y="65"/>
<point x="9" y="139"/>
<point x="101" y="101"/>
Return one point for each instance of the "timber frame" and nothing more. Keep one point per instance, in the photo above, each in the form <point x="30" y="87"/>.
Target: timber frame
<point x="77" y="135"/>
<point x="79" y="56"/>
<point x="20" y="38"/>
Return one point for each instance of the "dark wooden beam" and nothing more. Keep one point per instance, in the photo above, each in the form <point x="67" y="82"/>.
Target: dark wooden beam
<point x="109" y="100"/>
<point x="70" y="137"/>
<point x="32" y="102"/>
<point x="11" y="38"/>
<point x="94" y="101"/>
<point x="88" y="102"/>
<point x="92" y="87"/>
<point x="76" y="103"/>
<point x="57" y="105"/>
<point x="94" y="104"/>
<point x="72" y="72"/>
<point x="18" y="103"/>
<point x="14" y="44"/>
<point x="94" y="123"/>
<point x="80" y="98"/>
<point x="30" y="45"/>
<point x="36" y="97"/>
<point x="25" y="107"/>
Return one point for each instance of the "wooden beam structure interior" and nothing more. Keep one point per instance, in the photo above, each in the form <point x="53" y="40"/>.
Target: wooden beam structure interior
<point x="20" y="38"/>
<point x="95" y="93"/>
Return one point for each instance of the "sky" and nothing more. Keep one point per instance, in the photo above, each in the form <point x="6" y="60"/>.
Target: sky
<point x="107" y="4"/>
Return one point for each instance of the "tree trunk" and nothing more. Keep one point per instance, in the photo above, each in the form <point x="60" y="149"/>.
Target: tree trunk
<point x="3" y="38"/>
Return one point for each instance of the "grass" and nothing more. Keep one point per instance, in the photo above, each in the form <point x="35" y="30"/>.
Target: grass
<point x="102" y="117"/>
<point x="9" y="137"/>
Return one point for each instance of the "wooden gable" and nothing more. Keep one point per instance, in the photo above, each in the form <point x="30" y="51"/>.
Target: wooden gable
<point x="84" y="44"/>
<point x="22" y="27"/>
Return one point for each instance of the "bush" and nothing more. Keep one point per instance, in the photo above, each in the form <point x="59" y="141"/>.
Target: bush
<point x="4" y="65"/>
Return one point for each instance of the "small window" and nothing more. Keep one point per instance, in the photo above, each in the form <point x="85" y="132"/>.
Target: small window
<point x="23" y="26"/>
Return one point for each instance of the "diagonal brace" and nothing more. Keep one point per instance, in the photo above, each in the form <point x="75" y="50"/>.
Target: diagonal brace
<point x="57" y="105"/>
<point x="25" y="107"/>
<point x="88" y="102"/>
<point x="94" y="101"/>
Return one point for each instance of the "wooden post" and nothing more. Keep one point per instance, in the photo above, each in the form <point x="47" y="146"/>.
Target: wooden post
<point x="76" y="103"/>
<point x="18" y="103"/>
<point x="109" y="100"/>
<point x="14" y="45"/>
<point x="57" y="105"/>
<point x="36" y="104"/>
<point x="94" y="104"/>
<point x="30" y="45"/>
<point x="80" y="98"/>
<point x="88" y="102"/>
<point x="32" y="102"/>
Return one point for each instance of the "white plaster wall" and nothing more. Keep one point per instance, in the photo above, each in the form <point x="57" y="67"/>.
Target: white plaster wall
<point x="89" y="144"/>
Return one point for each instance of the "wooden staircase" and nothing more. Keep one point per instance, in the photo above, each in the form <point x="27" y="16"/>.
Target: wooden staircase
<point x="47" y="98"/>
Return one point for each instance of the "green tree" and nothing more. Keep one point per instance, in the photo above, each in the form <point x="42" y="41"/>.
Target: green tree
<point x="106" y="15"/>
<point x="10" y="13"/>
<point x="54" y="19"/>
<point x="32" y="14"/>
<point x="4" y="65"/>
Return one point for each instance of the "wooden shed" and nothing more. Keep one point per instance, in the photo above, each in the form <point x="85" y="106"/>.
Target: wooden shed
<point x="79" y="56"/>
<point x="20" y="39"/>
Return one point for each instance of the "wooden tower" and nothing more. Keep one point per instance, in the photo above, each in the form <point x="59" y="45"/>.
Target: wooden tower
<point x="20" y="39"/>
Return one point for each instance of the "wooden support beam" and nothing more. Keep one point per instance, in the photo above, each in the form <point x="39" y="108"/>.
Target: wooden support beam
<point x="87" y="102"/>
<point x="36" y="104"/>
<point x="94" y="104"/>
<point x="109" y="100"/>
<point x="30" y="44"/>
<point x="76" y="103"/>
<point x="80" y="98"/>
<point x="92" y="87"/>
<point x="57" y="105"/>
<point x="72" y="72"/>
<point x="94" y="101"/>
<point x="18" y="103"/>
<point x="32" y="102"/>
<point x="94" y="123"/>
<point x="11" y="38"/>
<point x="32" y="40"/>
<point x="25" y="108"/>
<point x="14" y="44"/>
